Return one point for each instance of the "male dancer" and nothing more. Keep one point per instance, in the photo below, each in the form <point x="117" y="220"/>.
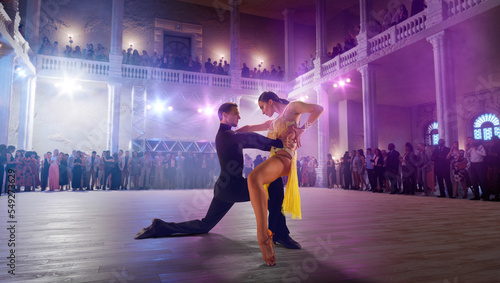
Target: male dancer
<point x="231" y="187"/>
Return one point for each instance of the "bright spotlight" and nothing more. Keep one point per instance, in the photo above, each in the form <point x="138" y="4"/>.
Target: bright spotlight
<point x="159" y="107"/>
<point x="335" y="85"/>
<point x="307" y="96"/>
<point x="209" y="111"/>
<point x="68" y="85"/>
<point x="200" y="110"/>
<point x="170" y="108"/>
<point x="348" y="80"/>
<point x="341" y="83"/>
<point x="149" y="106"/>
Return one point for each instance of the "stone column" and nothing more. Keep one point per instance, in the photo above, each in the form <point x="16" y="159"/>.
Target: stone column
<point x="370" y="117"/>
<point x="12" y="9"/>
<point x="323" y="136"/>
<point x="6" y="84"/>
<point x="32" y="23"/>
<point x="365" y="6"/>
<point x="234" y="70"/>
<point x="114" y="93"/>
<point x="320" y="33"/>
<point x="446" y="107"/>
<point x="26" y="114"/>
<point x="289" y="45"/>
<point x="115" y="50"/>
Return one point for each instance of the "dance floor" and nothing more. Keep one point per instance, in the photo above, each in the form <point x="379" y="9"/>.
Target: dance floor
<point x="347" y="236"/>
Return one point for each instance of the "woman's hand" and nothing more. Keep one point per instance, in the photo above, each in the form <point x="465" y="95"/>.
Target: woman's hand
<point x="298" y="134"/>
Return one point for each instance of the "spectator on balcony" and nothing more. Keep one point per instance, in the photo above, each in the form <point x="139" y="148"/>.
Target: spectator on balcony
<point x="155" y="60"/>
<point x="46" y="47"/>
<point x="386" y="22"/>
<point x="68" y="52"/>
<point x="136" y="58"/>
<point x="145" y="59"/>
<point x="197" y="64"/>
<point x="220" y="69"/>
<point x="208" y="66"/>
<point x="280" y="74"/>
<point x="54" y="51"/>
<point x="100" y="54"/>
<point x="245" y="71"/>
<point x="349" y="42"/>
<point x="226" y="68"/>
<point x="274" y="73"/>
<point x="77" y="53"/>
<point x="310" y="64"/>
<point x="215" y="69"/>
<point x="164" y="61"/>
<point x="417" y="6"/>
<point x="88" y="53"/>
<point x="265" y="74"/>
<point x="394" y="17"/>
<point x="403" y="13"/>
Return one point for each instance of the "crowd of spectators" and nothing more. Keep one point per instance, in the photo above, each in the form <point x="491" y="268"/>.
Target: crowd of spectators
<point x="48" y="48"/>
<point x="272" y="75"/>
<point x="475" y="169"/>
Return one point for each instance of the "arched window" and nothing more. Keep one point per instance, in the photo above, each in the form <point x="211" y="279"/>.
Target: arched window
<point x="431" y="134"/>
<point x="486" y="126"/>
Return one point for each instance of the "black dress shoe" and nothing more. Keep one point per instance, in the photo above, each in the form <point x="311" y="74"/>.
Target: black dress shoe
<point x="288" y="243"/>
<point x="149" y="232"/>
<point x="475" y="198"/>
<point x="441" y="196"/>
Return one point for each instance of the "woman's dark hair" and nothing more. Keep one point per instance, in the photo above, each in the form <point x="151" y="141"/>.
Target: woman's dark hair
<point x="378" y="152"/>
<point x="409" y="146"/>
<point x="360" y="151"/>
<point x="266" y="95"/>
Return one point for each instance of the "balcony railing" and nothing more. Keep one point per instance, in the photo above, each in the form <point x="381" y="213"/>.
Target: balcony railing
<point x="52" y="65"/>
<point x="456" y="7"/>
<point x="411" y="26"/>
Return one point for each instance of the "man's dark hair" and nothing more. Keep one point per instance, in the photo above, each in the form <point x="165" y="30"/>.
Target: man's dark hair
<point x="225" y="108"/>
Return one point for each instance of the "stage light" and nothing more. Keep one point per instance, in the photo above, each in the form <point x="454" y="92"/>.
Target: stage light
<point x="170" y="108"/>
<point x="149" y="106"/>
<point x="159" y="107"/>
<point x="335" y="85"/>
<point x="68" y="86"/>
<point x="200" y="110"/>
<point x="348" y="80"/>
<point x="209" y="111"/>
<point x="307" y="97"/>
<point x="341" y="83"/>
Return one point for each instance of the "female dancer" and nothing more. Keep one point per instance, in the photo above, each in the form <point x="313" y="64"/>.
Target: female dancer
<point x="282" y="161"/>
<point x="54" y="171"/>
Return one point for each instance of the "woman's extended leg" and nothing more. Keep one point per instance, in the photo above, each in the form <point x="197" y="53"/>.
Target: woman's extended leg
<point x="265" y="173"/>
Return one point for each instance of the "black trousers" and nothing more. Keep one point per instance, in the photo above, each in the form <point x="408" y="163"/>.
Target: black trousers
<point x="372" y="178"/>
<point x="443" y="172"/>
<point x="347" y="180"/>
<point x="218" y="208"/>
<point x="478" y="174"/>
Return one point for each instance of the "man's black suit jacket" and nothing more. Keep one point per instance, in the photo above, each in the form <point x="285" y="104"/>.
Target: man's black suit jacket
<point x="231" y="186"/>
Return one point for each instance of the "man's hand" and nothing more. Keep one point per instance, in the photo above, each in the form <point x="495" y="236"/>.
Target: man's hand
<point x="298" y="134"/>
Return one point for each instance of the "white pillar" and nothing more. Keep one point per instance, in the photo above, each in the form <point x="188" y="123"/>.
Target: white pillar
<point x="320" y="33"/>
<point x="115" y="50"/>
<point x="370" y="117"/>
<point x="235" y="71"/>
<point x="6" y="84"/>
<point x="289" y="45"/>
<point x="323" y="136"/>
<point x="32" y="23"/>
<point x="446" y="107"/>
<point x="114" y="93"/>
<point x="26" y="114"/>
<point x="364" y="7"/>
<point x="435" y="12"/>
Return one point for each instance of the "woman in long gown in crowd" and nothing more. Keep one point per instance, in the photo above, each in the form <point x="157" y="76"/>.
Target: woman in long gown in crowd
<point x="54" y="171"/>
<point x="282" y="162"/>
<point x="77" y="172"/>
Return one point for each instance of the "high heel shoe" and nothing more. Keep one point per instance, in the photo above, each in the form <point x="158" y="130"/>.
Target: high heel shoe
<point x="271" y="261"/>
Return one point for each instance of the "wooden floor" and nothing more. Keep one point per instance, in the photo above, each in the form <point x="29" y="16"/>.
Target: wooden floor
<point x="347" y="236"/>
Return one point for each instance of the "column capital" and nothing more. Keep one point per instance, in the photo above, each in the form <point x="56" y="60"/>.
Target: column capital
<point x="367" y="68"/>
<point x="436" y="39"/>
<point x="234" y="2"/>
<point x="288" y="12"/>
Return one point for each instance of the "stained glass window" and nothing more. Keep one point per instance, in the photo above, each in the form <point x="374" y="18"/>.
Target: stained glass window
<point x="486" y="126"/>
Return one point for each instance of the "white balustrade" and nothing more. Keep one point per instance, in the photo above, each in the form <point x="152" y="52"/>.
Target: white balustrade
<point x="349" y="57"/>
<point x="457" y="6"/>
<point x="330" y="66"/>
<point x="135" y="72"/>
<point x="380" y="41"/>
<point x="411" y="26"/>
